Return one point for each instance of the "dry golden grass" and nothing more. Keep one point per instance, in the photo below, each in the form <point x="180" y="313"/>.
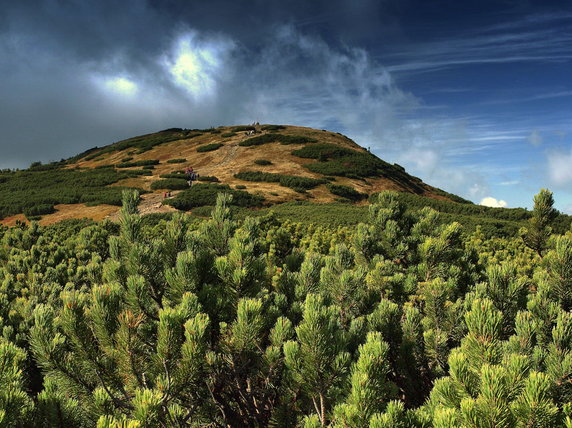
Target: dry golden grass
<point x="12" y="220"/>
<point x="231" y="159"/>
<point x="72" y="211"/>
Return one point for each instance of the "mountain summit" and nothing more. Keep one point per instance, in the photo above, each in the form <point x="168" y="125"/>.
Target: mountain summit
<point x="261" y="164"/>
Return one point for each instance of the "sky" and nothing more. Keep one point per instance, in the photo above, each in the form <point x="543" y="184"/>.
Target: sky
<point x="474" y="97"/>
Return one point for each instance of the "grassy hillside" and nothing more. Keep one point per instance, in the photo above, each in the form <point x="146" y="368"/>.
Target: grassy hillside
<point x="299" y="173"/>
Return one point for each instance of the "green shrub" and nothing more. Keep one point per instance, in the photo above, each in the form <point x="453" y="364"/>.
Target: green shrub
<point x="170" y="184"/>
<point x="324" y="152"/>
<point x="202" y="194"/>
<point x="240" y="186"/>
<point x="136" y="172"/>
<point x="344" y="162"/>
<point x="294" y="318"/>
<point x="176" y="161"/>
<point x="209" y="147"/>
<point x="346" y="192"/>
<point x="353" y="166"/>
<point x="204" y="211"/>
<point x="330" y="215"/>
<point x="262" y="162"/>
<point x="149" y="167"/>
<point x="23" y="190"/>
<point x="39" y="166"/>
<point x="39" y="210"/>
<point x="127" y="159"/>
<point x="137" y="163"/>
<point x="276" y="138"/>
<point x="209" y="178"/>
<point x="294" y="182"/>
<point x="243" y="128"/>
<point x="272" y="127"/>
<point x="228" y="134"/>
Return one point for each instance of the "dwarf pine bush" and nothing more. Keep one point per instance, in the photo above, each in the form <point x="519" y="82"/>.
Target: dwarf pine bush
<point x="402" y="321"/>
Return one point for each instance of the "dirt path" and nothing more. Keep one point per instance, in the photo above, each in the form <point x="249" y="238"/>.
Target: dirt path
<point x="230" y="155"/>
<point x="151" y="203"/>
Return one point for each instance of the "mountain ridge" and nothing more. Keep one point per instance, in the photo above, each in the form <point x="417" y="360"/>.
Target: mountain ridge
<point x="270" y="161"/>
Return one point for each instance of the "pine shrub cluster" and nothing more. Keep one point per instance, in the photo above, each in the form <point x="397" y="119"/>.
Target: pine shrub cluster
<point x="276" y="138"/>
<point x="400" y="321"/>
<point x="297" y="183"/>
<point x="209" y="147"/>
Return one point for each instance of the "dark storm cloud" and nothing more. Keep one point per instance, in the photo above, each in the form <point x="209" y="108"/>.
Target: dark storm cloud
<point x="58" y="59"/>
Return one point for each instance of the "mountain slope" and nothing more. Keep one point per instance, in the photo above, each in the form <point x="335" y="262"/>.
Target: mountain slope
<point x="274" y="162"/>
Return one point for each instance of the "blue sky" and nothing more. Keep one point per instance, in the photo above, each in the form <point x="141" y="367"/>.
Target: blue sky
<point x="473" y="97"/>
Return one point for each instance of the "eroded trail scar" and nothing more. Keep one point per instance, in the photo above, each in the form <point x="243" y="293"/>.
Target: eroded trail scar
<point x="230" y="155"/>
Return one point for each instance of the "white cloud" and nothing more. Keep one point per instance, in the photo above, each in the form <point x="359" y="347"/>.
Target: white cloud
<point x="560" y="167"/>
<point x="535" y="138"/>
<point x="121" y="85"/>
<point x="196" y="63"/>
<point x="114" y="83"/>
<point x="489" y="201"/>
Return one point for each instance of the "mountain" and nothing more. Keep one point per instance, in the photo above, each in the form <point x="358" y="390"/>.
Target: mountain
<point x="262" y="165"/>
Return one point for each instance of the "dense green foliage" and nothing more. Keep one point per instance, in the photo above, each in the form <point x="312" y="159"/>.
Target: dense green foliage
<point x="503" y="221"/>
<point x="346" y="192"/>
<point x="334" y="160"/>
<point x="209" y="178"/>
<point x="142" y="171"/>
<point x="201" y="194"/>
<point x="228" y="134"/>
<point x="244" y="128"/>
<point x="209" y="147"/>
<point x="262" y="162"/>
<point x="324" y="152"/>
<point x="276" y="138"/>
<point x="147" y="162"/>
<point x="401" y="321"/>
<point x="543" y="215"/>
<point x="272" y="127"/>
<point x="178" y="160"/>
<point x="324" y="215"/>
<point x="297" y="183"/>
<point x="35" y="192"/>
<point x="336" y="214"/>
